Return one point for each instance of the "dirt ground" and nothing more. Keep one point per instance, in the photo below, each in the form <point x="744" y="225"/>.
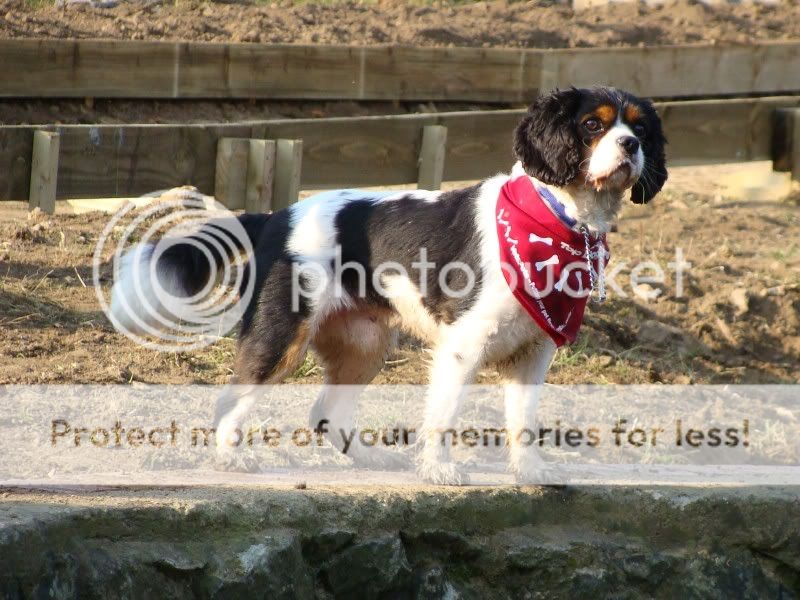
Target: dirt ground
<point x="737" y="321"/>
<point x="536" y="24"/>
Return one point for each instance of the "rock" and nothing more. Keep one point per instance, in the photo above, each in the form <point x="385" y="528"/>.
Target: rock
<point x="536" y="556"/>
<point x="320" y="547"/>
<point x="778" y="290"/>
<point x="449" y="543"/>
<point x="791" y="345"/>
<point x="679" y="205"/>
<point x="597" y="542"/>
<point x="604" y="360"/>
<point x="740" y="298"/>
<point x="590" y="581"/>
<point x="647" y="292"/>
<point x="273" y="567"/>
<point x="370" y="569"/>
<point x="433" y="585"/>
<point x="655" y="332"/>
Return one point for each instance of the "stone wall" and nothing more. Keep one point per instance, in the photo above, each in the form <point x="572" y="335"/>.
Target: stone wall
<point x="421" y="543"/>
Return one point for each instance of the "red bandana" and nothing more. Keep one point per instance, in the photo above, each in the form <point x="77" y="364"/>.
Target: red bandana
<point x="544" y="261"/>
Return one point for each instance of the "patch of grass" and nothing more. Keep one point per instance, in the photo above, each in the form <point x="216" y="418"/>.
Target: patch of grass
<point x="216" y="358"/>
<point x="785" y="254"/>
<point x="37" y="4"/>
<point x="571" y="355"/>
<point x="309" y="367"/>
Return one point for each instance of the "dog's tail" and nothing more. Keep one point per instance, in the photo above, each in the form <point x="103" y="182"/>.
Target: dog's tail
<point x="150" y="275"/>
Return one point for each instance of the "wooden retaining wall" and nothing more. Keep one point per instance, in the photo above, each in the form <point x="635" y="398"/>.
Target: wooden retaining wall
<point x="130" y="160"/>
<point x="151" y="69"/>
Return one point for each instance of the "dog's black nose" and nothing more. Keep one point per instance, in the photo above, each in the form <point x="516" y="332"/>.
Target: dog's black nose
<point x="629" y="143"/>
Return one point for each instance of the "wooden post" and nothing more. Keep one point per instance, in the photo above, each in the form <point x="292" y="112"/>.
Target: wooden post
<point x="431" y="157"/>
<point x="288" y="163"/>
<point x="44" y="171"/>
<point x="230" y="179"/>
<point x="260" y="176"/>
<point x="786" y="141"/>
<point x="795" y="162"/>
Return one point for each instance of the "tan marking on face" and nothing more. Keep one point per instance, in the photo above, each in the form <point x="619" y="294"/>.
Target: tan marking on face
<point x="632" y="114"/>
<point x="606" y="113"/>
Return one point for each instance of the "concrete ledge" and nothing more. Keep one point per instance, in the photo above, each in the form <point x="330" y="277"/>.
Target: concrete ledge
<point x="419" y="542"/>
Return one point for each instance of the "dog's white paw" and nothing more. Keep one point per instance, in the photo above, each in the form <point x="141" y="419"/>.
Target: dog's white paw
<point x="442" y="473"/>
<point x="236" y="461"/>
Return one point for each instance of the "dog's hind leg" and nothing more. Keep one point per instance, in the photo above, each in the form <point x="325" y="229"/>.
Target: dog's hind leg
<point x="272" y="345"/>
<point x="352" y="348"/>
<point x="257" y="363"/>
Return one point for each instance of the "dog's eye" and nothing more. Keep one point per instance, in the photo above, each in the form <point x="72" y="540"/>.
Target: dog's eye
<point x="592" y="125"/>
<point x="639" y="130"/>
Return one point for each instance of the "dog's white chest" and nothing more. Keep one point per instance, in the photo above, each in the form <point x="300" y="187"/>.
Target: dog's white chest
<point x="515" y="330"/>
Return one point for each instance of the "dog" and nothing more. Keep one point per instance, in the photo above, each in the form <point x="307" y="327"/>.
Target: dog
<point x="579" y="152"/>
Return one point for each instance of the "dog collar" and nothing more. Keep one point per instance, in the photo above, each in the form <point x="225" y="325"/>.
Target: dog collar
<point x="550" y="268"/>
<point x="556" y="205"/>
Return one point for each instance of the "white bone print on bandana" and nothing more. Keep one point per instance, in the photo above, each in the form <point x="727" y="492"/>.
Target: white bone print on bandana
<point x="553" y="260"/>
<point x="533" y="238"/>
<point x="559" y="285"/>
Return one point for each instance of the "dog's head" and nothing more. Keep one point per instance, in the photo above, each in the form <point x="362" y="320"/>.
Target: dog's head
<point x="601" y="138"/>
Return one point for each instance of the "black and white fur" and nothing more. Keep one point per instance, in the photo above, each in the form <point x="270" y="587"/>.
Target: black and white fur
<point x="588" y="171"/>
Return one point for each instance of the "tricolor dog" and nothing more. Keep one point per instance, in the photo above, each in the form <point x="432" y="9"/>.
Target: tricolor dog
<point x="496" y="273"/>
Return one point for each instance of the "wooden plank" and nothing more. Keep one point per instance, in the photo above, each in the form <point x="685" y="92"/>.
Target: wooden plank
<point x="80" y="68"/>
<point x="678" y="71"/>
<point x="478" y="74"/>
<point x="719" y="131"/>
<point x="341" y="152"/>
<point x="478" y="145"/>
<point x="431" y="157"/>
<point x="260" y="176"/>
<point x="288" y="164"/>
<point x="16" y="151"/>
<point x="44" y="171"/>
<point x="131" y="160"/>
<point x="269" y="71"/>
<point x="104" y="161"/>
<point x="148" y="69"/>
<point x="230" y="178"/>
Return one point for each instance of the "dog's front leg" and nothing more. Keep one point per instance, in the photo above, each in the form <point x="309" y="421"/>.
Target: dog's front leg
<point x="524" y="379"/>
<point x="232" y="409"/>
<point x="455" y="363"/>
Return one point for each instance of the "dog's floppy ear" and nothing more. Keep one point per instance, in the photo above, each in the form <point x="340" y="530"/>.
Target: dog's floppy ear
<point x="546" y="142"/>
<point x="654" y="173"/>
